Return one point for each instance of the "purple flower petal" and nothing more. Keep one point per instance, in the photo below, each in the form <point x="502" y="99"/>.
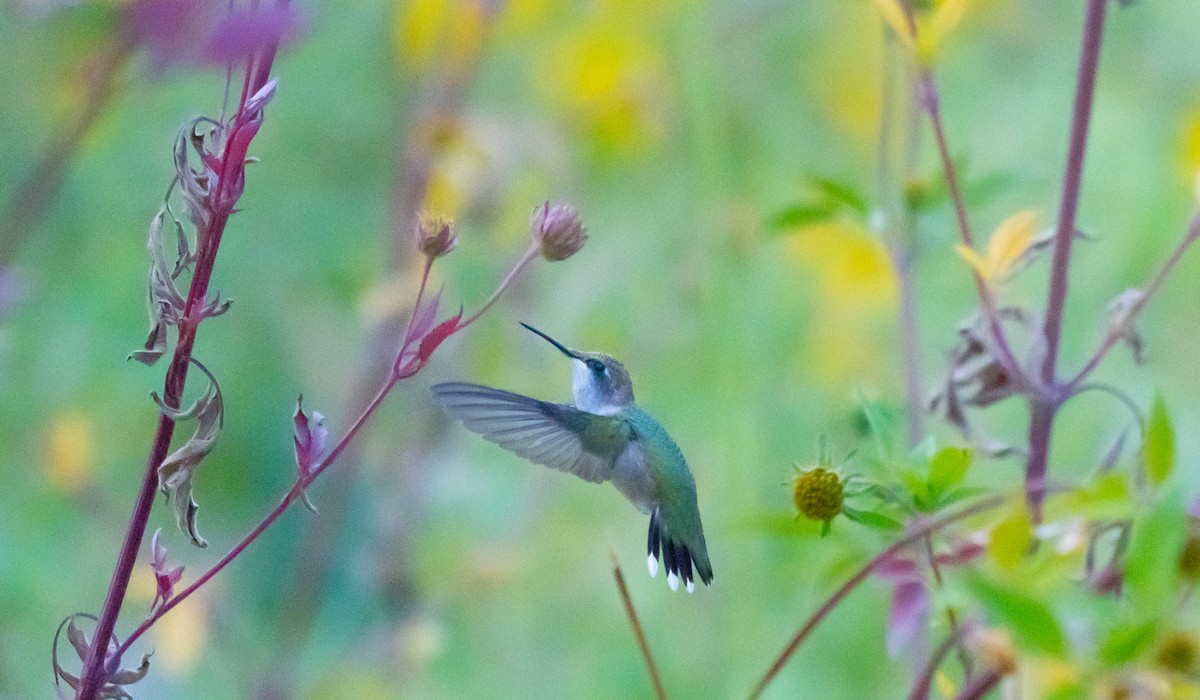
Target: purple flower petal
<point x="908" y="616"/>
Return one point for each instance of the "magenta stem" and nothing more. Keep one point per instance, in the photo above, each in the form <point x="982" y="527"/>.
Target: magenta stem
<point x="914" y="536"/>
<point x="1043" y="408"/>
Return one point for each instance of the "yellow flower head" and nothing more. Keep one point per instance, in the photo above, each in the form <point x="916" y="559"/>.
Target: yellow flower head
<point x="1005" y="250"/>
<point x="922" y="26"/>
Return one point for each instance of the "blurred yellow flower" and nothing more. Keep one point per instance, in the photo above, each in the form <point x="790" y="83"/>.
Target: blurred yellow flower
<point x="611" y="80"/>
<point x="439" y="34"/>
<point x="180" y="636"/>
<point x="932" y="25"/>
<point x="1191" y="152"/>
<point x="856" y="292"/>
<point x="1005" y="249"/>
<point x="69" y="452"/>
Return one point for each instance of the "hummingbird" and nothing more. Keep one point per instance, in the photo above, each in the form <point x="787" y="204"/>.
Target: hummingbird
<point x="603" y="436"/>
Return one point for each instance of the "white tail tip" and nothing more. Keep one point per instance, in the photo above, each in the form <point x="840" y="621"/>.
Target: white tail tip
<point x="673" y="581"/>
<point x="652" y="564"/>
<point x="691" y="587"/>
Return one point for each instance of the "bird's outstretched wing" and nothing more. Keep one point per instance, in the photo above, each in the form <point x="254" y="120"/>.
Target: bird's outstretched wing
<point x="555" y="435"/>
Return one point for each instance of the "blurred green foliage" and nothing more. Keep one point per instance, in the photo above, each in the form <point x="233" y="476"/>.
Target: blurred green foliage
<point x="687" y="134"/>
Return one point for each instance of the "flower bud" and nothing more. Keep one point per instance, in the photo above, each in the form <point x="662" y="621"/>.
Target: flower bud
<point x="817" y="494"/>
<point x="1178" y="653"/>
<point x="558" y="231"/>
<point x="435" y="238"/>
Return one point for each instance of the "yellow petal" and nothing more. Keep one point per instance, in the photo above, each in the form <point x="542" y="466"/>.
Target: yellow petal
<point x="1010" y="241"/>
<point x="945" y="18"/>
<point x="69" y="452"/>
<point x="975" y="260"/>
<point x="897" y="19"/>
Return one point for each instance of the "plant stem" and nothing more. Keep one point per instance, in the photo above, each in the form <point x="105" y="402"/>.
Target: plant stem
<point x="1149" y="290"/>
<point x="291" y="496"/>
<point x="980" y="685"/>
<point x="32" y="197"/>
<point x="914" y="536"/>
<point x="1042" y="409"/>
<point x="924" y="682"/>
<point x="529" y="254"/>
<point x="1064" y="235"/>
<point x="93" y="673"/>
<point x="898" y="224"/>
<point x="659" y="691"/>
<point x="927" y="96"/>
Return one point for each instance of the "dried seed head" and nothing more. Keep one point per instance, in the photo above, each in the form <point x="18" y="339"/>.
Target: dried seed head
<point x="817" y="493"/>
<point x="1189" y="558"/>
<point x="558" y="231"/>
<point x="1178" y="653"/>
<point x="995" y="648"/>
<point x="435" y="237"/>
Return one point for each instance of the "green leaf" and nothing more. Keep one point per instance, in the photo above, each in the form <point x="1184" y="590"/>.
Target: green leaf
<point x="801" y="215"/>
<point x="841" y="193"/>
<point x="1011" y="538"/>
<point x="881" y="428"/>
<point x="1125" y="642"/>
<point x="918" y="486"/>
<point x="1152" y="562"/>
<point x="1159" y="442"/>
<point x="1029" y="619"/>
<point x="947" y="469"/>
<point x="871" y="519"/>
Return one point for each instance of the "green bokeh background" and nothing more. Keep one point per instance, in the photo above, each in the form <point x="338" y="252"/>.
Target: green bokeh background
<point x="458" y="570"/>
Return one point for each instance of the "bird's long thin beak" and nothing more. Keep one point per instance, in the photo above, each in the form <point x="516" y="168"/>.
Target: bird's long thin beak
<point x="562" y="348"/>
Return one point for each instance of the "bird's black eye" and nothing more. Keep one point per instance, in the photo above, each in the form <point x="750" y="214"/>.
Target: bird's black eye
<point x="596" y="366"/>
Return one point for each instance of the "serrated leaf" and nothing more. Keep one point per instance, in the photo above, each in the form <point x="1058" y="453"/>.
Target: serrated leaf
<point x="1029" y="619"/>
<point x="1124" y="643"/>
<point x="1152" y="561"/>
<point x="947" y="469"/>
<point x="1011" y="538"/>
<point x="1159" y="443"/>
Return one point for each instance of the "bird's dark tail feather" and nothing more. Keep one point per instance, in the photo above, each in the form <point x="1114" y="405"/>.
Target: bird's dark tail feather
<point x="677" y="557"/>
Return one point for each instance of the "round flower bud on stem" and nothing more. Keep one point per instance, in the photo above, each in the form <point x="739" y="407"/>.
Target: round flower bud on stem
<point x="435" y="238"/>
<point x="558" y="231"/>
<point x="1178" y="653"/>
<point x="817" y="494"/>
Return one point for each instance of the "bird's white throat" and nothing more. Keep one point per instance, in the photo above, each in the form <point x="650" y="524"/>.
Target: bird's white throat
<point x="588" y="396"/>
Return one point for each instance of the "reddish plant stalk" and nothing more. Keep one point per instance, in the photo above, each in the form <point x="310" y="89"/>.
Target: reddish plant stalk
<point x="94" y="671"/>
<point x="914" y="536"/>
<point x="1043" y="408"/>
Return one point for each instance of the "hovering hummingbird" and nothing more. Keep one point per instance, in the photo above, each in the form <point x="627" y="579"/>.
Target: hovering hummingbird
<point x="603" y="436"/>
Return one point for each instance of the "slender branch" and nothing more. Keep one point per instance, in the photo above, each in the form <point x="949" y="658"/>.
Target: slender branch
<point x="1064" y="235"/>
<point x="897" y="233"/>
<point x="659" y="691"/>
<point x="1149" y="290"/>
<point x="1042" y="409"/>
<point x="529" y="254"/>
<point x="914" y="536"/>
<point x="291" y="496"/>
<point x="34" y="195"/>
<point x="927" y="95"/>
<point x="924" y="682"/>
<point x="980" y="685"/>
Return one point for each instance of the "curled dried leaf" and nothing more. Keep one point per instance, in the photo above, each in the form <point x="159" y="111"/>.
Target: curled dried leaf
<point x="1121" y="313"/>
<point x="176" y="471"/>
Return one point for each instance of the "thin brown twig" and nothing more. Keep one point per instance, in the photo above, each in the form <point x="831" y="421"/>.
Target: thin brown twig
<point x="659" y="691"/>
<point x="1116" y="331"/>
